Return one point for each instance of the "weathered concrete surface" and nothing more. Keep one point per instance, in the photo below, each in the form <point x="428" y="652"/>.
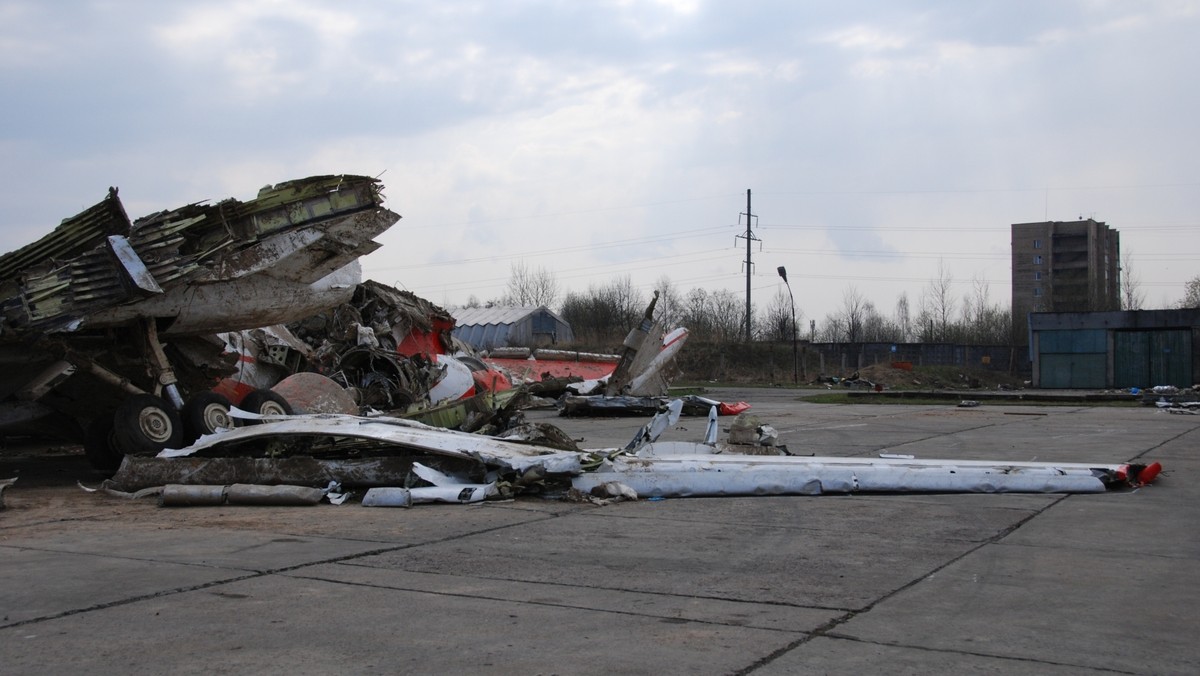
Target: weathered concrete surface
<point x="841" y="584"/>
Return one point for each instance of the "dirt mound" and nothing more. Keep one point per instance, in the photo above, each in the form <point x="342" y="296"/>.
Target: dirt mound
<point x="937" y="378"/>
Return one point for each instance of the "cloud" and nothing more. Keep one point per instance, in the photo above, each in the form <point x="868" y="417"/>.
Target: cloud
<point x="619" y="137"/>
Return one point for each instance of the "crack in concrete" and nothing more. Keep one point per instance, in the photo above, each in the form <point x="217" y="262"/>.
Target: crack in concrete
<point x="826" y="630"/>
<point x="242" y="578"/>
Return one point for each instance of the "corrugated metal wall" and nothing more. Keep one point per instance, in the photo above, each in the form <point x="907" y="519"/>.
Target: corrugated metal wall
<point x="1149" y="358"/>
<point x="1073" y="358"/>
<point x="534" y="329"/>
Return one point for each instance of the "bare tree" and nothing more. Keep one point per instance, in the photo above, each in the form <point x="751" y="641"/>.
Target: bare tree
<point x="604" y="313"/>
<point x="728" y="315"/>
<point x="695" y="314"/>
<point x="530" y="287"/>
<point x="937" y="303"/>
<point x="853" y="313"/>
<point x="982" y="322"/>
<point x="670" y="307"/>
<point x="629" y="302"/>
<point x="876" y="328"/>
<point x="1191" y="294"/>
<point x="776" y="322"/>
<point x="1132" y="296"/>
<point x="717" y="316"/>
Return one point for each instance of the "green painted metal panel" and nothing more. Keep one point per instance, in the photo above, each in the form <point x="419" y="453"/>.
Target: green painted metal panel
<point x="1072" y="371"/>
<point x="1149" y="358"/>
<point x="1131" y="363"/>
<point x="1073" y="341"/>
<point x="1171" y="358"/>
<point x="1074" y="358"/>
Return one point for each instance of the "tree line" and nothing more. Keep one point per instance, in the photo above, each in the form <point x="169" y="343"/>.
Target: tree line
<point x="604" y="313"/>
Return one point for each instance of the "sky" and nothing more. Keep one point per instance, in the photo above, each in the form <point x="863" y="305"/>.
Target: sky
<point x="880" y="141"/>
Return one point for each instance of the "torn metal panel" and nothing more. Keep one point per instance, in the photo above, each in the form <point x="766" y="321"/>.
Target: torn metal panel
<point x="640" y="338"/>
<point x="548" y="366"/>
<point x="297" y="232"/>
<point x="265" y="356"/>
<point x="235" y="304"/>
<point x="649" y="378"/>
<point x="5" y="484"/>
<point x="387" y="496"/>
<point x="137" y="473"/>
<point x="660" y="423"/>
<point x="444" y="488"/>
<point x="576" y="405"/>
<point x="398" y="433"/>
<point x="627" y="405"/>
<point x="74" y="236"/>
<point x="136" y="276"/>
<point x="675" y="474"/>
<point x="469" y="415"/>
<point x="452" y="494"/>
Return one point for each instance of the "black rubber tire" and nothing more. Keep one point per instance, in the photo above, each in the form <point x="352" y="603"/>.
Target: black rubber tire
<point x="98" y="445"/>
<point x="205" y="413"/>
<point x="264" y="402"/>
<point x="145" y="424"/>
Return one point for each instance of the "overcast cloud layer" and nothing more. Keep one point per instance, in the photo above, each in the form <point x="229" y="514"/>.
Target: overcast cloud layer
<point x="604" y="139"/>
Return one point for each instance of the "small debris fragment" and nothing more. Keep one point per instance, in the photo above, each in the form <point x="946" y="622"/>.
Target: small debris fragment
<point x="5" y="484"/>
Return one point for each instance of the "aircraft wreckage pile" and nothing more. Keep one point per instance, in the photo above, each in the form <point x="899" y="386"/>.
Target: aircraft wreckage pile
<point x="185" y="312"/>
<point x="135" y="336"/>
<point x="103" y="306"/>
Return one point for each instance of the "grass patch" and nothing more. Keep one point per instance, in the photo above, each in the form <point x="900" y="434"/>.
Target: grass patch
<point x="685" y="390"/>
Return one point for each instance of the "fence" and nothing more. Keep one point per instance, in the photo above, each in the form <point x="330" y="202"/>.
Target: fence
<point x="773" y="361"/>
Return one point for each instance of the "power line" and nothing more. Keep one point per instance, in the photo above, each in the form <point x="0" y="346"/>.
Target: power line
<point x="968" y="191"/>
<point x="582" y="212"/>
<point x="653" y="239"/>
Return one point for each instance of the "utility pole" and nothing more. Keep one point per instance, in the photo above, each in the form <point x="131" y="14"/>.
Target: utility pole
<point x="750" y="238"/>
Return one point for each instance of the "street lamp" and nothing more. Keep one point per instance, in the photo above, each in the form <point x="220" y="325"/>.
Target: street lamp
<point x="795" y="350"/>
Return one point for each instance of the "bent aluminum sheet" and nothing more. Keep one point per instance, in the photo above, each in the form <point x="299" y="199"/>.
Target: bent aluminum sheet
<point x="701" y="475"/>
<point x="405" y="434"/>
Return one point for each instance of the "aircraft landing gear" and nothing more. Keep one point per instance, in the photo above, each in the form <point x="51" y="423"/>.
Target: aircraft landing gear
<point x="264" y="402"/>
<point x="205" y="413"/>
<point x="145" y="424"/>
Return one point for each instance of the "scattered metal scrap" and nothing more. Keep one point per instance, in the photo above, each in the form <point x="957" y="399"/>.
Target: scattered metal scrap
<point x="5" y="484"/>
<point x="1184" y="408"/>
<point x="638" y="383"/>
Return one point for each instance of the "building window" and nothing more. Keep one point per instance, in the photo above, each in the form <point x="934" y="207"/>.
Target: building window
<point x="1037" y="275"/>
<point x="1037" y="260"/>
<point x="1037" y="243"/>
<point x="1037" y="291"/>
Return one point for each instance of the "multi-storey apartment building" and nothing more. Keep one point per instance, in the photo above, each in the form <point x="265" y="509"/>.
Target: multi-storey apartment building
<point x="1063" y="266"/>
